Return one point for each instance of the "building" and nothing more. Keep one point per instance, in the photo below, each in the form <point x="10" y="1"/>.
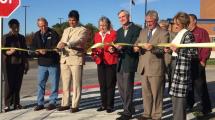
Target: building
<point x="207" y="19"/>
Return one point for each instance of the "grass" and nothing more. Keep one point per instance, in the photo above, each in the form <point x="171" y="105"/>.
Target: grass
<point x="211" y="61"/>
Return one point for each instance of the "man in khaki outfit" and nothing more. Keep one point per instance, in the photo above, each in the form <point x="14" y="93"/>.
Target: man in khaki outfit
<point x="72" y="61"/>
<point x="151" y="66"/>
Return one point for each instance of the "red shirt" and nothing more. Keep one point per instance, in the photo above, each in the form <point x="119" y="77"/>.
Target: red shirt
<point x="201" y="36"/>
<point x="102" y="54"/>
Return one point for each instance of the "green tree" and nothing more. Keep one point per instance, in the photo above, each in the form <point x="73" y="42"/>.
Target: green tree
<point x="91" y="32"/>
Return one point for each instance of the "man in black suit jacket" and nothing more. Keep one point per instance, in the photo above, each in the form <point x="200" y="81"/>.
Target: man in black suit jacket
<point x="127" y="65"/>
<point x="48" y="63"/>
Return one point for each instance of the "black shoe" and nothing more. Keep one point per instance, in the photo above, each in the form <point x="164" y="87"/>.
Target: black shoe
<point x="109" y="110"/>
<point x="74" y="110"/>
<point x="120" y="113"/>
<point x="142" y="118"/>
<point x="62" y="108"/>
<point x="101" y="108"/>
<point x="123" y="117"/>
<point x="6" y="109"/>
<point x="206" y="112"/>
<point x="39" y="107"/>
<point x="51" y="107"/>
<point x="18" y="106"/>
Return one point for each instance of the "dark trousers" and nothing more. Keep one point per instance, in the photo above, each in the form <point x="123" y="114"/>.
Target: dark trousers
<point x="200" y="86"/>
<point x="126" y="88"/>
<point x="107" y="81"/>
<point x="13" y="84"/>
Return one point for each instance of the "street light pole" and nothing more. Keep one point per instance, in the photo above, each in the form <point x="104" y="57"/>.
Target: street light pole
<point x="60" y="19"/>
<point x="25" y="6"/>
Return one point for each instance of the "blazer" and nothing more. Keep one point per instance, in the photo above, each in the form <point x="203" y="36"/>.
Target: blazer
<point x="18" y="41"/>
<point x="100" y="55"/>
<point x="49" y="41"/>
<point x="128" y="59"/>
<point x="75" y="38"/>
<point x="151" y="63"/>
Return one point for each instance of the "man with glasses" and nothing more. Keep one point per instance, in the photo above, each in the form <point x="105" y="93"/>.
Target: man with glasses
<point x="48" y="62"/>
<point x="151" y="66"/>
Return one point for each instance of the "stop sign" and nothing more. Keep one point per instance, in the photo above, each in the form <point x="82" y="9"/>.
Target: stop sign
<point x="7" y="7"/>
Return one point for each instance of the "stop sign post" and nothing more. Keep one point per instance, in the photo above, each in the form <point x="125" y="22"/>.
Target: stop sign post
<point x="7" y="7"/>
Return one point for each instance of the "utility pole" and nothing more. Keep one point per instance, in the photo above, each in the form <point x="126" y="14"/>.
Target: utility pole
<point x="25" y="7"/>
<point x="60" y="18"/>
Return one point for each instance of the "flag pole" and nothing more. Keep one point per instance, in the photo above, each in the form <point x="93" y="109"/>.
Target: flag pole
<point x="130" y="10"/>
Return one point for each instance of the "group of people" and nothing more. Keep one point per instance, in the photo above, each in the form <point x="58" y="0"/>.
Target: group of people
<point x="183" y="68"/>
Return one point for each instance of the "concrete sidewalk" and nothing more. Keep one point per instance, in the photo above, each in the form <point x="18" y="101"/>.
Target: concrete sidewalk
<point x="89" y="103"/>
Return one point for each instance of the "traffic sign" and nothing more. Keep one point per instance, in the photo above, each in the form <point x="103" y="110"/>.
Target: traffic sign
<point x="7" y="7"/>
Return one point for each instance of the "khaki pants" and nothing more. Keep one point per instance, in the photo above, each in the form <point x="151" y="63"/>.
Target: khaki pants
<point x="74" y="72"/>
<point x="152" y="96"/>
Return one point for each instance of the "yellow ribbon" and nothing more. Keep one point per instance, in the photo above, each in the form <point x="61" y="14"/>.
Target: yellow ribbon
<point x="192" y="45"/>
<point x="26" y="50"/>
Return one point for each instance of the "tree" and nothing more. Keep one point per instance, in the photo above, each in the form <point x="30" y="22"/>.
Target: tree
<point x="91" y="32"/>
<point x="59" y="28"/>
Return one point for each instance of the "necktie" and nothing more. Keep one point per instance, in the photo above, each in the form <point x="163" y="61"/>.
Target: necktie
<point x="43" y="38"/>
<point x="149" y="35"/>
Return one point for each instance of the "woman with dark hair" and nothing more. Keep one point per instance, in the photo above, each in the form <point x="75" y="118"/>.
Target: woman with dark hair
<point x="16" y="65"/>
<point x="106" y="60"/>
<point x="181" y="65"/>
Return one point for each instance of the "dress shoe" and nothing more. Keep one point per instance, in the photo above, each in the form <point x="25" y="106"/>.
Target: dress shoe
<point x="62" y="108"/>
<point x="120" y="113"/>
<point x="6" y="108"/>
<point x="39" y="107"/>
<point x="123" y="117"/>
<point x="101" y="109"/>
<point x="206" y="112"/>
<point x="51" y="107"/>
<point x="18" y="106"/>
<point x="109" y="110"/>
<point x="74" y="110"/>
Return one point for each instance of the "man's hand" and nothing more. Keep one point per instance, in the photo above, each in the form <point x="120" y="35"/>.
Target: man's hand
<point x="167" y="50"/>
<point x="42" y="52"/>
<point x="136" y="49"/>
<point x="11" y="51"/>
<point x="148" y="46"/>
<point x="118" y="47"/>
<point x="61" y="45"/>
<point x="202" y="63"/>
<point x="173" y="48"/>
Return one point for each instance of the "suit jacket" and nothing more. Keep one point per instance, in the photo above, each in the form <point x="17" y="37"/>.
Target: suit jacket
<point x="128" y="59"/>
<point x="151" y="63"/>
<point x="75" y="38"/>
<point x="18" y="41"/>
<point x="49" y="41"/>
<point x="102" y="54"/>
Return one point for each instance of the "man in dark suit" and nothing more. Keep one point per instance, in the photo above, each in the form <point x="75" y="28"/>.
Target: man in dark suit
<point x="151" y="66"/>
<point x="128" y="61"/>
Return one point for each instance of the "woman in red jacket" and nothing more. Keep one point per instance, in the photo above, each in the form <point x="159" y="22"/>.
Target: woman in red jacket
<point x="106" y="59"/>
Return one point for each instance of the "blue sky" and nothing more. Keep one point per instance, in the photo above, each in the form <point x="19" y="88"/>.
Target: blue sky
<point x="91" y="10"/>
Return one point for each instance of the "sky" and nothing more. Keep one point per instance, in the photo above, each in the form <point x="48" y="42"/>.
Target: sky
<point x="91" y="10"/>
